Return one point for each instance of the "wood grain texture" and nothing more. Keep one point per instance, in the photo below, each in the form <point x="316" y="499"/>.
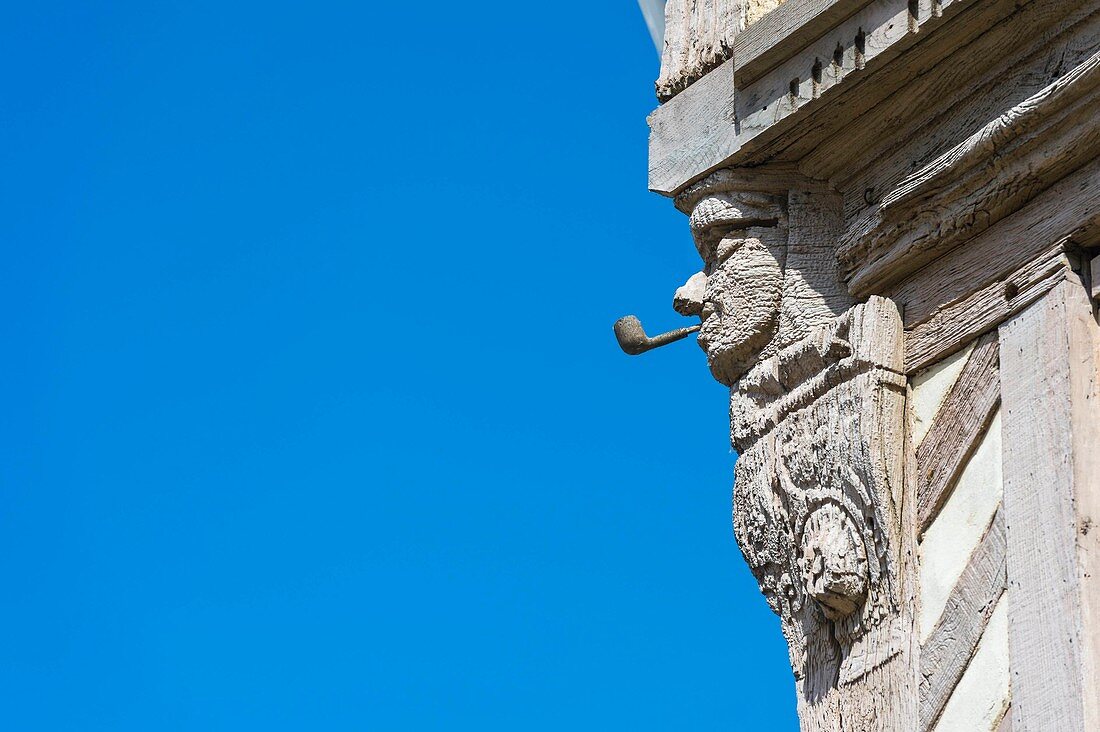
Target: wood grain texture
<point x="984" y="692"/>
<point x="823" y="519"/>
<point x="690" y="135"/>
<point x="955" y="325"/>
<point x="830" y="145"/>
<point x="1084" y="366"/>
<point x="947" y="652"/>
<point x="699" y="35"/>
<point x="994" y="172"/>
<point x="1016" y="58"/>
<point x="957" y="429"/>
<point x="784" y="31"/>
<point x="792" y="88"/>
<point x="1061" y="214"/>
<point x="820" y="107"/>
<point x="1048" y="366"/>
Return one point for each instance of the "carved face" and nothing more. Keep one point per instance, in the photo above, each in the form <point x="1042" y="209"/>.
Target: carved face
<point x="738" y="293"/>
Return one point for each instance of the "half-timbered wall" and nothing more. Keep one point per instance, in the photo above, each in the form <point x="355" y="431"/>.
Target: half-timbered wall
<point x="900" y="200"/>
<point x="963" y="616"/>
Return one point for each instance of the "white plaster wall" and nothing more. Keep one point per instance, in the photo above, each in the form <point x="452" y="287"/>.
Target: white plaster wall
<point x="959" y="528"/>
<point x="930" y="386"/>
<point x="983" y="693"/>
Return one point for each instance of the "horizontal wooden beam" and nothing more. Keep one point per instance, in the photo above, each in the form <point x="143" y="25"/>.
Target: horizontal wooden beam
<point x="784" y="31"/>
<point x="954" y="325"/>
<point x="990" y="175"/>
<point x="812" y="90"/>
<point x="1063" y="213"/>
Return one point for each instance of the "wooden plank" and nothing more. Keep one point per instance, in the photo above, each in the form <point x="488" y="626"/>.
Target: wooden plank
<point x="1059" y="215"/>
<point x="693" y="132"/>
<point x="957" y="429"/>
<point x="691" y="139"/>
<point x="955" y="325"/>
<point x="1049" y="394"/>
<point x="952" y="643"/>
<point x="784" y="31"/>
<point x="831" y="147"/>
<point x="1084" y="364"/>
<point x="793" y="86"/>
<point x="990" y="175"/>
<point x="1021" y="54"/>
<point x="984" y="691"/>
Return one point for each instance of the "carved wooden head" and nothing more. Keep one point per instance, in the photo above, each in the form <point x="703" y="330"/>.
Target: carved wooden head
<point x="742" y="240"/>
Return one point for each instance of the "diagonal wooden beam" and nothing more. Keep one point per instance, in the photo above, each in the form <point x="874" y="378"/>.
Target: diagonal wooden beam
<point x="946" y="654"/>
<point x="957" y="429"/>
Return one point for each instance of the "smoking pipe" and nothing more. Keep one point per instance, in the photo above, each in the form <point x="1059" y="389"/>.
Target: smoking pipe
<point x="632" y="338"/>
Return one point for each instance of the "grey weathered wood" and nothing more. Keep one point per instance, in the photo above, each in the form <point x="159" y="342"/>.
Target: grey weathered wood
<point x="953" y="326"/>
<point x="861" y="155"/>
<point x="682" y="144"/>
<point x="1056" y="217"/>
<point x="699" y="35"/>
<point x="933" y="210"/>
<point x="948" y="650"/>
<point x="1049" y="394"/>
<point x="822" y="515"/>
<point x="1025" y="49"/>
<point x="957" y="429"/>
<point x="792" y="25"/>
<point x="693" y="132"/>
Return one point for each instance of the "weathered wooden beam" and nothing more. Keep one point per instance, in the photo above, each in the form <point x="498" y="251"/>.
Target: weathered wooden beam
<point x="983" y="179"/>
<point x="773" y="112"/>
<point x="1024" y="51"/>
<point x="794" y="24"/>
<point x="957" y="429"/>
<point x="1062" y="213"/>
<point x="1051" y="407"/>
<point x="949" y="648"/>
<point x="699" y="35"/>
<point x="953" y="326"/>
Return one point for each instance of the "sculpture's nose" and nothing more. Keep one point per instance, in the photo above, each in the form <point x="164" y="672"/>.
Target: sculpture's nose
<point x="688" y="299"/>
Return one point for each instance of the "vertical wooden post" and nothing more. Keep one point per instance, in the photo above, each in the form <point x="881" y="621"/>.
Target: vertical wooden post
<point x="1052" y="505"/>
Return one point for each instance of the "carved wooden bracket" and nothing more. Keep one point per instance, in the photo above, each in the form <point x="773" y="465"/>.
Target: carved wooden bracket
<point x="818" y="499"/>
<point x="817" y="413"/>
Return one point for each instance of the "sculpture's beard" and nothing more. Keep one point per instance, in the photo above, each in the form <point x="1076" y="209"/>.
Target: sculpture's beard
<point x="740" y="309"/>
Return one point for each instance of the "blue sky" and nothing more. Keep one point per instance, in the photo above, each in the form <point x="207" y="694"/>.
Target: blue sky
<point x="313" y="415"/>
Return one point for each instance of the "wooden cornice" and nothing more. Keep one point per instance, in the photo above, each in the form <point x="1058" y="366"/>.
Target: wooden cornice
<point x="986" y="177"/>
<point x="799" y="75"/>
